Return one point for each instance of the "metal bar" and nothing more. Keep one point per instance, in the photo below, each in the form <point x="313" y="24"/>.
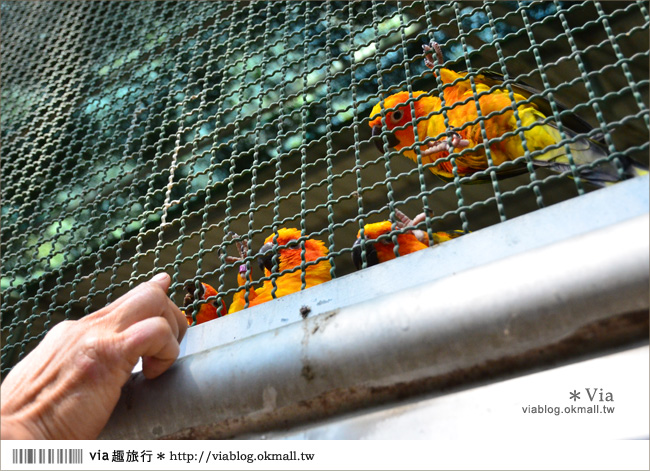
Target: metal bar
<point x="497" y="409"/>
<point x="409" y="343"/>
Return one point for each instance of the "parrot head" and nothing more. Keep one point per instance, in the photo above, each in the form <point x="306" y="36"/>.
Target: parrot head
<point x="288" y="249"/>
<point x="208" y="310"/>
<point x="398" y="117"/>
<point x="371" y="231"/>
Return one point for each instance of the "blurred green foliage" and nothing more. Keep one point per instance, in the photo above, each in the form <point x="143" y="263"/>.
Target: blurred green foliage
<point x="139" y="81"/>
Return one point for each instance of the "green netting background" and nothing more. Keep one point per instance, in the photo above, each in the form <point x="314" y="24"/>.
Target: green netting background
<point x="135" y="135"/>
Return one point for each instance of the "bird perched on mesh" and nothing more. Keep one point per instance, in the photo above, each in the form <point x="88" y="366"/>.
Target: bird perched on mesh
<point x="208" y="310"/>
<point x="285" y="243"/>
<point x="463" y="138"/>
<point x="381" y="249"/>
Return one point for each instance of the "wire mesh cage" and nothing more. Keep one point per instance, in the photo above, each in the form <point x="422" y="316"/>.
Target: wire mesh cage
<point x="159" y="136"/>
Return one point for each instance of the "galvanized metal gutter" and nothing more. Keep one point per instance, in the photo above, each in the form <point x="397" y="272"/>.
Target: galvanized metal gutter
<point x="497" y="409"/>
<point x="471" y="325"/>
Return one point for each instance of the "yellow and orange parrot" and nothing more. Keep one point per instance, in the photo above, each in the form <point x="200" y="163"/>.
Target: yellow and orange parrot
<point x="379" y="251"/>
<point x="208" y="310"/>
<point x="289" y="257"/>
<point x="501" y="130"/>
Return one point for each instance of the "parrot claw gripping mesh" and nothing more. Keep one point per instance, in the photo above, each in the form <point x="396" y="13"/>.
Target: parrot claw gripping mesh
<point x="403" y="221"/>
<point x="456" y="141"/>
<point x="242" y="297"/>
<point x="428" y="56"/>
<point x="511" y="129"/>
<point x="380" y="249"/>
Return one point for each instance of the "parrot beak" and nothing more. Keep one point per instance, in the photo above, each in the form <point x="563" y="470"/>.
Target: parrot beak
<point x="192" y="293"/>
<point x="265" y="257"/>
<point x="371" y="254"/>
<point x="392" y="140"/>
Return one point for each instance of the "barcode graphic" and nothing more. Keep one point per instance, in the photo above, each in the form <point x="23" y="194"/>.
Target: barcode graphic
<point x="48" y="456"/>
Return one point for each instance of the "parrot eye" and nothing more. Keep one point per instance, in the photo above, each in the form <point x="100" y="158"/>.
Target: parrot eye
<point x="396" y="116"/>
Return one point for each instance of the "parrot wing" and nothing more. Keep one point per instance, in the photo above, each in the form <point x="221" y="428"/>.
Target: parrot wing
<point x="585" y="151"/>
<point x="570" y="120"/>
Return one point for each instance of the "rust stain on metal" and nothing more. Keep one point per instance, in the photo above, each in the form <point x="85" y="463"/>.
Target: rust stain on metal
<point x="307" y="372"/>
<point x="616" y="332"/>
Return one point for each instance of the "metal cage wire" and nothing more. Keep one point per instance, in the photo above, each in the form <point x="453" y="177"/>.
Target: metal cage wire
<point x="138" y="135"/>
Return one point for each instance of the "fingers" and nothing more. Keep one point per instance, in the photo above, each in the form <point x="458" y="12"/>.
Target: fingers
<point x="151" y="301"/>
<point x="147" y="300"/>
<point x="147" y="322"/>
<point x="107" y="310"/>
<point x="154" y="340"/>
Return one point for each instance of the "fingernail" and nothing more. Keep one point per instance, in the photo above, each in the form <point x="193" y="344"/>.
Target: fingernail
<point x="160" y="277"/>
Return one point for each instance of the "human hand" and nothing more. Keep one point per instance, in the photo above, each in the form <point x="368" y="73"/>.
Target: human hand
<point x="68" y="386"/>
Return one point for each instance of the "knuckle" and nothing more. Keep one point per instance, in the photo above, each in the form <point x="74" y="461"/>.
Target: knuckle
<point x="88" y="355"/>
<point x="161" y="326"/>
<point x="61" y="327"/>
<point x="96" y="354"/>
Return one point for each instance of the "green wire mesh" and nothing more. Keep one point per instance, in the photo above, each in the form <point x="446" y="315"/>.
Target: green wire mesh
<point x="137" y="135"/>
